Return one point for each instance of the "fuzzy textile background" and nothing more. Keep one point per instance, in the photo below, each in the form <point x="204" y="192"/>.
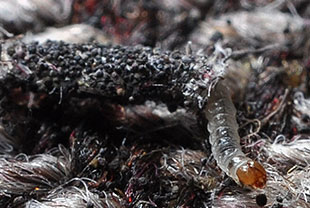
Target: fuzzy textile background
<point x="103" y="103"/>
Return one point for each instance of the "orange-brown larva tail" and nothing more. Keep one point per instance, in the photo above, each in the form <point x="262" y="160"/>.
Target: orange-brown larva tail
<point x="252" y="174"/>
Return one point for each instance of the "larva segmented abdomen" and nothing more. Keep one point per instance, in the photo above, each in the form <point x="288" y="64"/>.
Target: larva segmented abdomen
<point x="225" y="140"/>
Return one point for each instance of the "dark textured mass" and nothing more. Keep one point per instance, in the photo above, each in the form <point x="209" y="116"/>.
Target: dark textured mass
<point x="117" y="73"/>
<point x="48" y="90"/>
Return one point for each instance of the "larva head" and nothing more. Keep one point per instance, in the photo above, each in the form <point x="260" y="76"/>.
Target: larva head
<point x="252" y="174"/>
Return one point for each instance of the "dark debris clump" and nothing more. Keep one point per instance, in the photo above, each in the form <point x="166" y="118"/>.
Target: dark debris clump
<point x="58" y="70"/>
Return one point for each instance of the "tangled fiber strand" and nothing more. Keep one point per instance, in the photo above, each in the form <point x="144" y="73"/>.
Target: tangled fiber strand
<point x="37" y="173"/>
<point x="75" y="197"/>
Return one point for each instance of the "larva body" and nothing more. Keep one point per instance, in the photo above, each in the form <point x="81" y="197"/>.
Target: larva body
<point x="225" y="140"/>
